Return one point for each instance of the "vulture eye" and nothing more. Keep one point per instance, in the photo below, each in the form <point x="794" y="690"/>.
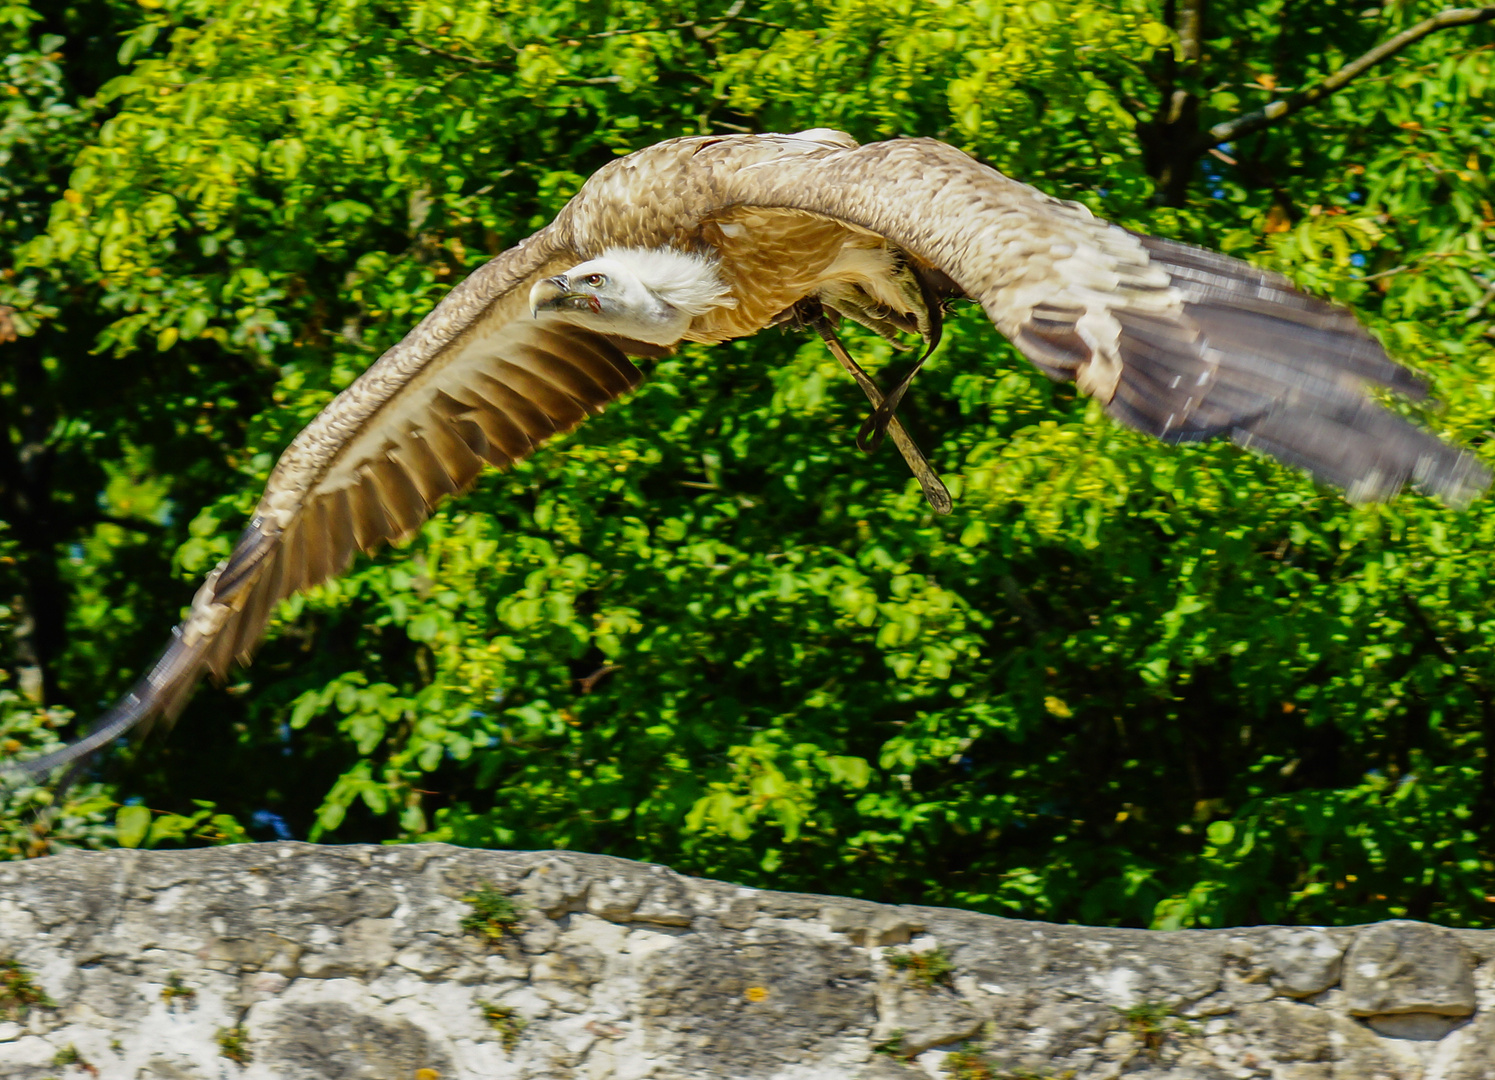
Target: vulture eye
<point x="596" y="281"/>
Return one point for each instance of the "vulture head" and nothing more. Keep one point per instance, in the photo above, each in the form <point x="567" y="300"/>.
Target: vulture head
<point x="642" y="294"/>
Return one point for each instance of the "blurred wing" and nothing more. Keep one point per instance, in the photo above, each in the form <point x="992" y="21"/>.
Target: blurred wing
<point x="477" y="382"/>
<point x="1181" y="343"/>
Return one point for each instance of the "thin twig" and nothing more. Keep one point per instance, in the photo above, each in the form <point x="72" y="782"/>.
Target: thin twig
<point x="1231" y="130"/>
<point x="1409" y="265"/>
<point x="447" y="54"/>
<point x="1476" y="309"/>
<point x="732" y="15"/>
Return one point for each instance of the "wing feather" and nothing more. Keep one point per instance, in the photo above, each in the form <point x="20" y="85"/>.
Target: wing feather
<point x="371" y="522"/>
<point x="1181" y="343"/>
<point x="397" y="493"/>
<point x="316" y="527"/>
<point x="1178" y="342"/>
<point x="341" y="538"/>
<point x="528" y="419"/>
<point x="558" y="375"/>
<point x="559" y="409"/>
<point x="478" y="380"/>
<point x="505" y="438"/>
<point x="435" y="476"/>
<point x="503" y="395"/>
<point x="455" y="459"/>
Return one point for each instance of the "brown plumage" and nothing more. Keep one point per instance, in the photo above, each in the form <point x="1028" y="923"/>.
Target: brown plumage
<point x="1181" y="343"/>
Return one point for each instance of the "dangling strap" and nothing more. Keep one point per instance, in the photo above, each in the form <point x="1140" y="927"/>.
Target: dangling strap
<point x="812" y="314"/>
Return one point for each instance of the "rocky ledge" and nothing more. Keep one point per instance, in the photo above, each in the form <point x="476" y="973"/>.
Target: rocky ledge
<point x="428" y="962"/>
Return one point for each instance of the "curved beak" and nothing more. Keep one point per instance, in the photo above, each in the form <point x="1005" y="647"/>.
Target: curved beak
<point x="550" y="294"/>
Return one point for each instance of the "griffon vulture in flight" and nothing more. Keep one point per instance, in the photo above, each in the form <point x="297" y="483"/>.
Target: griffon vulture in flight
<point x="711" y="238"/>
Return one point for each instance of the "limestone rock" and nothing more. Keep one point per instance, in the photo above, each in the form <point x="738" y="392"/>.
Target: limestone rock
<point x="1303" y="962"/>
<point x="332" y="1041"/>
<point x="294" y="962"/>
<point x="1409" y="967"/>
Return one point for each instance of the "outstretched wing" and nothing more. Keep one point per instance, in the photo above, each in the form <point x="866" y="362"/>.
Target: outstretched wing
<point x="477" y="382"/>
<point x="1178" y="342"/>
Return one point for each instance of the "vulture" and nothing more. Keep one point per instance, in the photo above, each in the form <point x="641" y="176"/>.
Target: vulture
<point x="710" y="238"/>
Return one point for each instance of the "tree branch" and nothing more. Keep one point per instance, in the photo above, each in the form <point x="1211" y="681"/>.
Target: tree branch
<point x="700" y="26"/>
<point x="447" y="54"/>
<point x="1264" y="117"/>
<point x="1174" y="134"/>
<point x="1191" y="40"/>
<point x="1191" y="29"/>
<point x="478" y="62"/>
<point x="701" y="32"/>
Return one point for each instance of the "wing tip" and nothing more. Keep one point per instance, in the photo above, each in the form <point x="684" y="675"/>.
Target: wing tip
<point x="1369" y="453"/>
<point x="162" y="692"/>
<point x="1457" y="482"/>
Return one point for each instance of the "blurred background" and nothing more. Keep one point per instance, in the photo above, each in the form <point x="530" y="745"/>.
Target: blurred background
<point x="1120" y="684"/>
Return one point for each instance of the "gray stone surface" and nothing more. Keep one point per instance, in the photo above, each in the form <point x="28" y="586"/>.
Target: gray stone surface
<point x="1305" y="961"/>
<point x="351" y="963"/>
<point x="1408" y="967"/>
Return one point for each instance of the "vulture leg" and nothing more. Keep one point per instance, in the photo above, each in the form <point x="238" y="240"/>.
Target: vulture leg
<point x="812" y="315"/>
<point x="870" y="437"/>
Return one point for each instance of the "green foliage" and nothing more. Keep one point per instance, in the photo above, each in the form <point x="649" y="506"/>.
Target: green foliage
<point x="1122" y="683"/>
<point x="19" y="991"/>
<point x="967" y="1064"/>
<point x="974" y="1061"/>
<point x="176" y="990"/>
<point x="32" y="821"/>
<point x="926" y="967"/>
<point x="135" y="826"/>
<point x="493" y="915"/>
<point x="504" y="1021"/>
<point x="233" y="1043"/>
<point x="69" y="1055"/>
<point x="1152" y="1023"/>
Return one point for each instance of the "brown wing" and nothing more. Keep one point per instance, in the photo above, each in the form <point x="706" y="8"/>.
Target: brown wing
<point x="478" y="382"/>
<point x="491" y="397"/>
<point x="1178" y="342"/>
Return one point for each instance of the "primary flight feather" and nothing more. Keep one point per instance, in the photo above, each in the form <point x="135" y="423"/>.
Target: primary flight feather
<point x="711" y="238"/>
